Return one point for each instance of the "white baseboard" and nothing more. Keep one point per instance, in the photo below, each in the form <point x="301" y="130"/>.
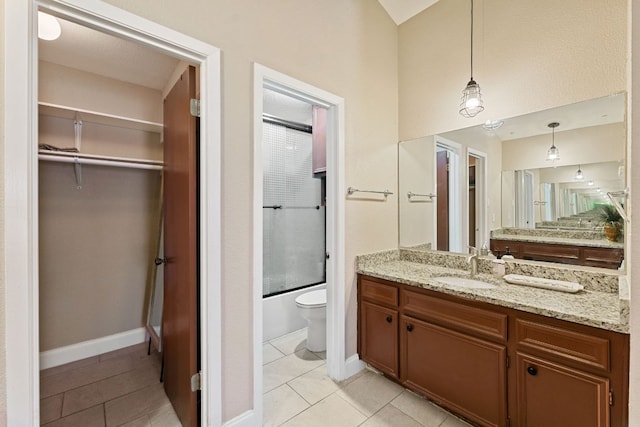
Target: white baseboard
<point x="246" y="419"/>
<point x="82" y="350"/>
<point x="353" y="365"/>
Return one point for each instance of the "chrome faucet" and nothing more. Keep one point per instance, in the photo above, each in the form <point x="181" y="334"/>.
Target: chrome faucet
<point x="473" y="260"/>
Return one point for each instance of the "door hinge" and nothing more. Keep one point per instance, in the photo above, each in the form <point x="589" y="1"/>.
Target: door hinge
<point x="194" y="107"/>
<point x="196" y="381"/>
<point x="610" y="398"/>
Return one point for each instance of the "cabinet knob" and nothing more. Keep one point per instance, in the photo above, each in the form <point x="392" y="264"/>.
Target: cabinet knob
<point x="389" y="319"/>
<point x="409" y="327"/>
<point x="532" y="370"/>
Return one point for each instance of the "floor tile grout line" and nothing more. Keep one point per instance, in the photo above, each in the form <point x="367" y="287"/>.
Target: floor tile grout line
<point x="93" y="382"/>
<point x="105" y="402"/>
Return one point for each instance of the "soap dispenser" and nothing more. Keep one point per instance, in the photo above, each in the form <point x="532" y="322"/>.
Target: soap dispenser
<point x="507" y="253"/>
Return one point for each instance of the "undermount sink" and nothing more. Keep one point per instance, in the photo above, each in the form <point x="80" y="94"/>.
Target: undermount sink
<point x="464" y="282"/>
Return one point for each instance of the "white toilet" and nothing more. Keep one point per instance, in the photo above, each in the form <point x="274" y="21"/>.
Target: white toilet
<point x="313" y="307"/>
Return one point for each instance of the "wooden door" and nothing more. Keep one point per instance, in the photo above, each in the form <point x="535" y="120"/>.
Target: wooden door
<point x="463" y="373"/>
<point x="553" y="395"/>
<point x="379" y="337"/>
<point x="180" y="311"/>
<point x="442" y="200"/>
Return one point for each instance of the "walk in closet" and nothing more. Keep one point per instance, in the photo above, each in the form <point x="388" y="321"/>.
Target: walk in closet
<point x="100" y="196"/>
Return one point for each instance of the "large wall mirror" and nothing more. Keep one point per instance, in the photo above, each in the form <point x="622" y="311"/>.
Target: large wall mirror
<point x="458" y="187"/>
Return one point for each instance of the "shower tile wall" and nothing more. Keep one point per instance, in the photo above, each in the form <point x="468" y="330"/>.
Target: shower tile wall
<point x="294" y="236"/>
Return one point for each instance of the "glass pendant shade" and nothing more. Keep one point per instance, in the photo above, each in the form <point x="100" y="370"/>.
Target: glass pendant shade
<point x="579" y="174"/>
<point x="553" y="153"/>
<point x="48" y="27"/>
<point x="472" y="102"/>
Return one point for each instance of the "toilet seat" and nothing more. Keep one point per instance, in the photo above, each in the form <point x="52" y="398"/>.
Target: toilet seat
<point x="313" y="299"/>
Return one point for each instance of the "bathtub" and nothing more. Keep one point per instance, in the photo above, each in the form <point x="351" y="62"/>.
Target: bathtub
<point x="280" y="315"/>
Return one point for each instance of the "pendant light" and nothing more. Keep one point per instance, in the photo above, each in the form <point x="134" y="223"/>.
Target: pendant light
<point x="471" y="103"/>
<point x="553" y="153"/>
<point x="579" y="175"/>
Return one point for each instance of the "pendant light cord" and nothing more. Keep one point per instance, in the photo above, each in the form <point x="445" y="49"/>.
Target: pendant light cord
<point x="471" y="39"/>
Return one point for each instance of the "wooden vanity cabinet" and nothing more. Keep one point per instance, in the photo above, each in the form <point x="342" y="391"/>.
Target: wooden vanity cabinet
<point x="562" y="253"/>
<point x="568" y="375"/>
<point x="493" y="365"/>
<point x="378" y="325"/>
<point x="456" y="355"/>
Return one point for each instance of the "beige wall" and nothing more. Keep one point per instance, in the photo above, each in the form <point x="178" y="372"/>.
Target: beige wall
<point x="528" y="56"/>
<point x="3" y="382"/>
<point x="96" y="247"/>
<point x="346" y="47"/>
<point x="66" y="86"/>
<point x="96" y="244"/>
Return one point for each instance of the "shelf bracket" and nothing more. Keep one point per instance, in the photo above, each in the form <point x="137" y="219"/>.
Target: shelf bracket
<point x="77" y="130"/>
<point x="77" y="169"/>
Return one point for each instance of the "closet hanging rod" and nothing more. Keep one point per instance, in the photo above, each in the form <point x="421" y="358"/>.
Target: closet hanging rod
<point x="352" y="190"/>
<point x="98" y="161"/>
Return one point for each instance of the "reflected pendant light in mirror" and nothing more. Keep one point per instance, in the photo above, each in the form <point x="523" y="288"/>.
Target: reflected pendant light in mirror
<point x="553" y="153"/>
<point x="579" y="175"/>
<point x="472" y="102"/>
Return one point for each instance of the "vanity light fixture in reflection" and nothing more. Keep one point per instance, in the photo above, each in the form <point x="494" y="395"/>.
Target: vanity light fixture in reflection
<point x="472" y="102"/>
<point x="590" y="183"/>
<point x="492" y="124"/>
<point x="553" y="153"/>
<point x="579" y="174"/>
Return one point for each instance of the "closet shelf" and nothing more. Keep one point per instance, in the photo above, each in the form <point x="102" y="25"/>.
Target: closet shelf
<point x="92" y="159"/>
<point x="65" y="112"/>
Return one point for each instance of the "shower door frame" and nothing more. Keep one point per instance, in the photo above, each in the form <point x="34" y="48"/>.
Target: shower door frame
<point x="337" y="366"/>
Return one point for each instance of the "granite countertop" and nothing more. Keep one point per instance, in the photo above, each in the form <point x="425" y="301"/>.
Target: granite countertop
<point x="605" y="310"/>
<point x="596" y="243"/>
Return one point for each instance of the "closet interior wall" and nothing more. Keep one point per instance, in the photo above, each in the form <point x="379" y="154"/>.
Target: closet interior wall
<point x="96" y="242"/>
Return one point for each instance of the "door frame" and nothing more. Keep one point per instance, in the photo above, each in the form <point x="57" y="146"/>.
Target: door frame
<point x="335" y="230"/>
<point x="482" y="200"/>
<point x="20" y="180"/>
<point x="457" y="216"/>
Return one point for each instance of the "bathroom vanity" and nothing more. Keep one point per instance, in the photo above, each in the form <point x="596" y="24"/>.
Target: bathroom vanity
<point x="567" y="252"/>
<point x="588" y="248"/>
<point x="505" y="356"/>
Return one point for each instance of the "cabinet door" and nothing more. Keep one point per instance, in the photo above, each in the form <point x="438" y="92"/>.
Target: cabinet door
<point x="463" y="373"/>
<point x="379" y="337"/>
<point x="553" y="395"/>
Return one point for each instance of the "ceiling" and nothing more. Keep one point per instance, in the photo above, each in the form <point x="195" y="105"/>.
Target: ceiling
<point x="95" y="52"/>
<point x="594" y="112"/>
<point x="402" y="10"/>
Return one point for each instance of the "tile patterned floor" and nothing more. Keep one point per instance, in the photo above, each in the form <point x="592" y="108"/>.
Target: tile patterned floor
<point x="120" y="388"/>
<point x="297" y="392"/>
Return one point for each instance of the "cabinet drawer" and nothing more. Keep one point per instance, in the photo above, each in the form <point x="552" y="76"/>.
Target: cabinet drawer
<point x="473" y="320"/>
<point x="544" y="252"/>
<point x="379" y="292"/>
<point x="568" y="345"/>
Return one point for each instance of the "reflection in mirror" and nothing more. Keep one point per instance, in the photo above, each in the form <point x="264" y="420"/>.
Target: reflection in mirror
<point x="522" y="189"/>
